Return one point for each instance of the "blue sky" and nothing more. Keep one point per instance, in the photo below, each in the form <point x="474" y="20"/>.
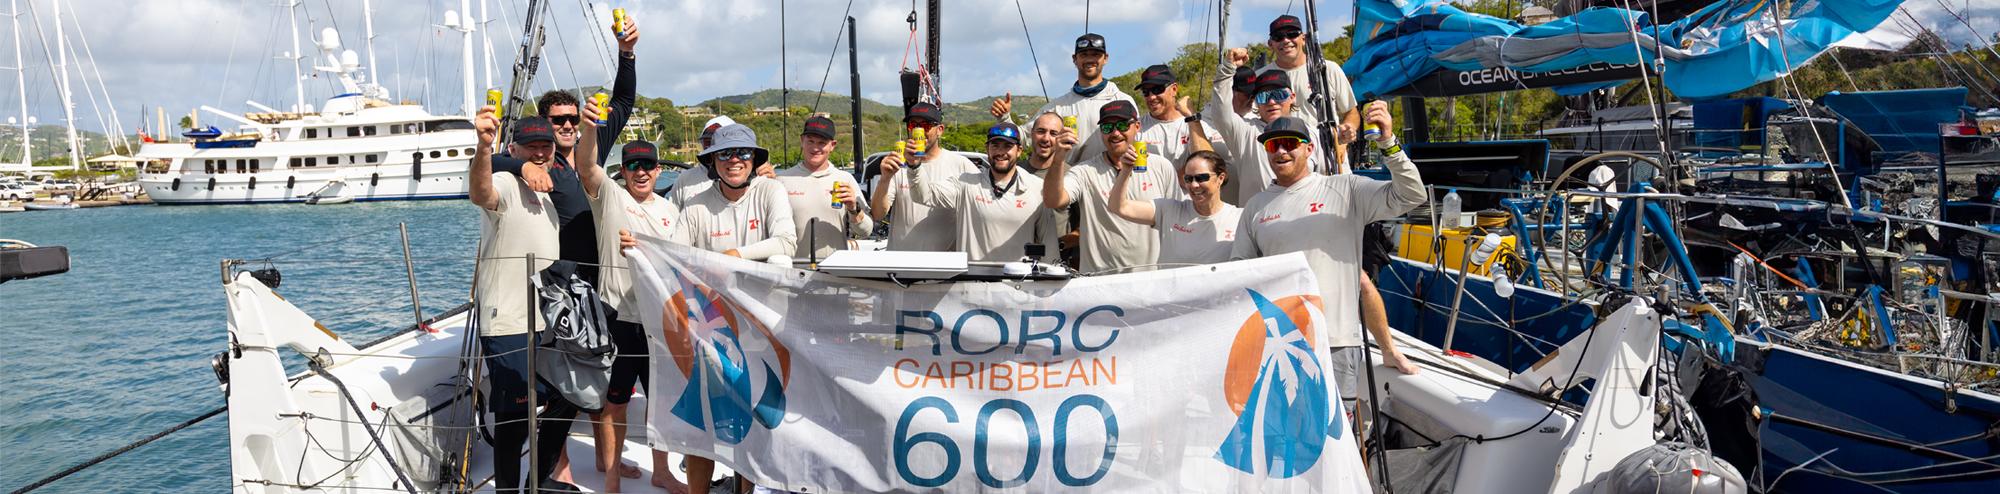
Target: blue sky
<point x="181" y="54"/>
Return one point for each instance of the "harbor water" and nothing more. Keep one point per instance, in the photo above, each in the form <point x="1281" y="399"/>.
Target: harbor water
<point x="118" y="348"/>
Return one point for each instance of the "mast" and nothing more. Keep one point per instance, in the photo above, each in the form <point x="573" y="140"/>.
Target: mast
<point x="463" y="18"/>
<point x="854" y="94"/>
<point x="62" y="85"/>
<point x="934" y="41"/>
<point x="486" y="39"/>
<point x="21" y="80"/>
<point x="368" y="28"/>
<point x="298" y="76"/>
<point x="527" y="61"/>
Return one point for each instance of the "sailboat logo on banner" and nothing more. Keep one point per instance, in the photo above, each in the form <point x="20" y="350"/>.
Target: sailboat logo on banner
<point x="1278" y="392"/>
<point x="704" y="334"/>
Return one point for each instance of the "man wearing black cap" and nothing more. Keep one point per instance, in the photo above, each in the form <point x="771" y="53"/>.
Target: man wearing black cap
<point x="1324" y="217"/>
<point x="622" y="212"/>
<point x="1167" y="117"/>
<point x="1288" y="44"/>
<point x="1273" y="100"/>
<point x="912" y="226"/>
<point x="826" y="200"/>
<point x="744" y="215"/>
<point x="1109" y="242"/>
<point x="516" y="222"/>
<point x="997" y="210"/>
<point x="1091" y="91"/>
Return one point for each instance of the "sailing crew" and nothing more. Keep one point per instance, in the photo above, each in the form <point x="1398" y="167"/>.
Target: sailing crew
<point x="1324" y="216"/>
<point x="913" y="226"/>
<point x="1091" y="92"/>
<point x="997" y="209"/>
<point x="1288" y="42"/>
<point x="1274" y="100"/>
<point x="516" y="222"/>
<point x="826" y="200"/>
<point x="1167" y="116"/>
<point x="623" y="210"/>
<point x="1110" y="243"/>
<point x="1200" y="229"/>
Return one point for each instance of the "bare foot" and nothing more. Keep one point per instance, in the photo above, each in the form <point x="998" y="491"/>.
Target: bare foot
<point x="629" y="470"/>
<point x="668" y="482"/>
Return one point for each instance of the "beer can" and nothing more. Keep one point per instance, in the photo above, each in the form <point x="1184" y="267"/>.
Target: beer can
<point x="618" y="22"/>
<point x="836" y="195"/>
<point x="1069" y="122"/>
<point x="902" y="151"/>
<point x="603" y="102"/>
<point x="1139" y="148"/>
<point x="1371" y="132"/>
<point x="495" y="100"/>
<point x="917" y="144"/>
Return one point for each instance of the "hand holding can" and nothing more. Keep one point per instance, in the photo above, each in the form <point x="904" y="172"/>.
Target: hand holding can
<point x="1139" y="158"/>
<point x="603" y="102"/>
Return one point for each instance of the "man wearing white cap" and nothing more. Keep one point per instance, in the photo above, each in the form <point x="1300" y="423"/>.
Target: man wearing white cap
<point x="694" y="180"/>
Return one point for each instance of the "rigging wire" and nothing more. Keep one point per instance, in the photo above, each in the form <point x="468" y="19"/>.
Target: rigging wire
<point x="1019" y="12"/>
<point x="1983" y="38"/>
<point x="839" y="33"/>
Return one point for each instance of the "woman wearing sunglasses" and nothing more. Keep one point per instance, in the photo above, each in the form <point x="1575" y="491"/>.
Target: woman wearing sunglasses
<point x="1200" y="229"/>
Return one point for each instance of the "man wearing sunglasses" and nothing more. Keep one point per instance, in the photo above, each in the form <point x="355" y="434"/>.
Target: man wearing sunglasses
<point x="815" y="186"/>
<point x="1288" y="44"/>
<point x="1167" y="116"/>
<point x="1324" y="216"/>
<point x="1111" y="243"/>
<point x="1273" y="100"/>
<point x="997" y="210"/>
<point x="694" y="180"/>
<point x="744" y="215"/>
<point x="912" y="225"/>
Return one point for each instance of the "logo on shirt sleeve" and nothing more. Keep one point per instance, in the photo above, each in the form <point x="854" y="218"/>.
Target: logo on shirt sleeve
<point x="1315" y="206"/>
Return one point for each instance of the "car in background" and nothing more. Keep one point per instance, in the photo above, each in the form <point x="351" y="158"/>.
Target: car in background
<point x="15" y="192"/>
<point x="54" y="185"/>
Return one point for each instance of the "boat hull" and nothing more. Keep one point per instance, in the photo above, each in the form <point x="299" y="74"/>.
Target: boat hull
<point x="440" y="180"/>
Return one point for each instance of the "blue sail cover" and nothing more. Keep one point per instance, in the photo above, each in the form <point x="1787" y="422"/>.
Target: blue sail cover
<point x="1717" y="50"/>
<point x="1902" y="121"/>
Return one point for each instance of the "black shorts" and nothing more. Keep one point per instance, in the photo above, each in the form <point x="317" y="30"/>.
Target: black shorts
<point x="1375" y="245"/>
<point x="507" y="374"/>
<point x="630" y="367"/>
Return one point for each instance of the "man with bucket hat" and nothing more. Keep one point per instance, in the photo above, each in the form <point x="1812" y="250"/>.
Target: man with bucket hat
<point x="743" y="214"/>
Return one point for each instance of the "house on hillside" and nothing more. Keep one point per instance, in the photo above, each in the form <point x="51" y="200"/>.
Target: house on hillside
<point x="768" y="110"/>
<point x="696" y="111"/>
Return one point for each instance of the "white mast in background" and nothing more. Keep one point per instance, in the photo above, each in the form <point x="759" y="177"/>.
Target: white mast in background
<point x="62" y="86"/>
<point x="461" y="20"/>
<point x="21" y="79"/>
<point x="298" y="75"/>
<point x="368" y="27"/>
<point x="486" y="39"/>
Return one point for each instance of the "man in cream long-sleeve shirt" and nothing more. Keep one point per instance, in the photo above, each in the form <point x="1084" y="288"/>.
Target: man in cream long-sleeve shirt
<point x="825" y="219"/>
<point x="1240" y="145"/>
<point x="743" y="215"/>
<point x="1324" y="216"/>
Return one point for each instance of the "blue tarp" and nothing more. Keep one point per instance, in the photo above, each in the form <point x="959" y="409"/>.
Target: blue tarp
<point x="1717" y="50"/>
<point x="1901" y="121"/>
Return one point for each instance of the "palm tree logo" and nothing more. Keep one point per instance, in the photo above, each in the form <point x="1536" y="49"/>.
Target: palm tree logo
<point x="1278" y="391"/>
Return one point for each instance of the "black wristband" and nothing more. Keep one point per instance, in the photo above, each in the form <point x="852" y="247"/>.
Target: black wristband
<point x="1192" y="118"/>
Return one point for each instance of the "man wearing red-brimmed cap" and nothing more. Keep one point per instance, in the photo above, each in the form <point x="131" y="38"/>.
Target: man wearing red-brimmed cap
<point x="1110" y="243"/>
<point x="815" y="187"/>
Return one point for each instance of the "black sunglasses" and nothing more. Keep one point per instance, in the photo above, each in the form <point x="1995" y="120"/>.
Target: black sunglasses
<point x="744" y="154"/>
<point x="1286" y="36"/>
<point x="1198" y="178"/>
<point x="643" y="166"/>
<point x="1152" y="90"/>
<point x="565" y="119"/>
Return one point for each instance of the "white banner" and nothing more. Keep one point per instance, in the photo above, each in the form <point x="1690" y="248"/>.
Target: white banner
<point x="1202" y="379"/>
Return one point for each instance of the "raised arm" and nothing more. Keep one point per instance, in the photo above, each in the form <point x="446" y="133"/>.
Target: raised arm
<point x="479" y="180"/>
<point x="588" y="170"/>
<point x="928" y="188"/>
<point x="1405" y="188"/>
<point x="884" y="195"/>
<point x="624" y="91"/>
<point x="1055" y="193"/>
<point x="1140" y="212"/>
<point x="1239" y="139"/>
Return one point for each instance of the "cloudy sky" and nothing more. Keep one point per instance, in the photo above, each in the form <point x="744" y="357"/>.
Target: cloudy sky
<point x="181" y="54"/>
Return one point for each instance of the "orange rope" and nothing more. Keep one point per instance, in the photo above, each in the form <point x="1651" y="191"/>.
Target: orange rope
<point x="1760" y="262"/>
